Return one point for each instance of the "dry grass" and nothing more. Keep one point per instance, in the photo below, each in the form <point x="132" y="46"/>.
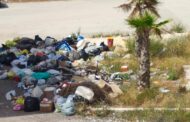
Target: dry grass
<point x="153" y="98"/>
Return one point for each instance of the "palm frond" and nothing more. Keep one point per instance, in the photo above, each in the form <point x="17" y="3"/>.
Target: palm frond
<point x="136" y="10"/>
<point x="152" y="9"/>
<point x="162" y="23"/>
<point x="145" y="21"/>
<point x="127" y="6"/>
<point x="157" y="31"/>
<point x="152" y="2"/>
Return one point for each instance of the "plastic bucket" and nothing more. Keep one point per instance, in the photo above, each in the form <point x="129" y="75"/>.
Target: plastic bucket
<point x="110" y="42"/>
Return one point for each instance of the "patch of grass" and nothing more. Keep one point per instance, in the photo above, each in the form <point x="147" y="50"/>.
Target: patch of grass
<point x="155" y="116"/>
<point x="173" y="75"/>
<point x="98" y="35"/>
<point x="129" y="96"/>
<point x="174" y="65"/>
<point x="147" y="94"/>
<point x="113" y="64"/>
<point x="177" y="46"/>
<point x="103" y="113"/>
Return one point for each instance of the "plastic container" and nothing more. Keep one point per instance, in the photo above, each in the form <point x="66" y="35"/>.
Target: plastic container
<point x="124" y="68"/>
<point x="110" y="42"/>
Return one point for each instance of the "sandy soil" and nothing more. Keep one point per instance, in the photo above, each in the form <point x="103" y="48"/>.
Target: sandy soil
<point x="60" y="18"/>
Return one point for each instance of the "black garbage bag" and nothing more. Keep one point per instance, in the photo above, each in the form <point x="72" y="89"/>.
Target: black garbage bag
<point x="31" y="104"/>
<point x="6" y="59"/>
<point x="105" y="47"/>
<point x="83" y="55"/>
<point x="3" y="48"/>
<point x="26" y="43"/>
<point x="70" y="41"/>
<point x="3" y="5"/>
<point x="33" y="60"/>
<point x="38" y="39"/>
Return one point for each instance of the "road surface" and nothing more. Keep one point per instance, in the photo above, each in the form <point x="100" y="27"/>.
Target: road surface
<point x="61" y="18"/>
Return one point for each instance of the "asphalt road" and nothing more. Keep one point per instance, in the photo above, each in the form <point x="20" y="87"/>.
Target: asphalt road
<point x="61" y="18"/>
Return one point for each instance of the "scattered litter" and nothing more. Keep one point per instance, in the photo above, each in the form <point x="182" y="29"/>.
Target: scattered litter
<point x="164" y="90"/>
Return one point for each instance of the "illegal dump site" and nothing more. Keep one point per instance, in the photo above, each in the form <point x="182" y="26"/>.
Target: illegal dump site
<point x="140" y="76"/>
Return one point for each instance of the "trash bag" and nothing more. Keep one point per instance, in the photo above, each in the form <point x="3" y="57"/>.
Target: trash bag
<point x="3" y="5"/>
<point x="63" y="45"/>
<point x="10" y="94"/>
<point x="37" y="92"/>
<point x="31" y="104"/>
<point x="68" y="107"/>
<point x="84" y="92"/>
<point x="38" y="39"/>
<point x="54" y="80"/>
<point x="49" y="41"/>
<point x="25" y="43"/>
<point x="6" y="59"/>
<point x="99" y="94"/>
<point x="41" y="75"/>
<point x="33" y="60"/>
<point x="70" y="41"/>
<point x="83" y="55"/>
<point x="104" y="47"/>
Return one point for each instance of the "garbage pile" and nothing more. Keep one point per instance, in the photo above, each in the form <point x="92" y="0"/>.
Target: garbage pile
<point x="44" y="71"/>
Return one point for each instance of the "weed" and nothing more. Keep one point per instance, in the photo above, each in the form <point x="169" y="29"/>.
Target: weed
<point x="172" y="74"/>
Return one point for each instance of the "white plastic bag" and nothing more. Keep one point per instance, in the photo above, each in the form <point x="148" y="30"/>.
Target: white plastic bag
<point x="84" y="92"/>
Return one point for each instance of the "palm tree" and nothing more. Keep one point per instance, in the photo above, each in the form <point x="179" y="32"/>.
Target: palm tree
<point x="143" y="17"/>
<point x="138" y="8"/>
<point x="144" y="25"/>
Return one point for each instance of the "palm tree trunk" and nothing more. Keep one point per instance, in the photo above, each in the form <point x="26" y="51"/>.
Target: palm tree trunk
<point x="138" y="47"/>
<point x="144" y="59"/>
